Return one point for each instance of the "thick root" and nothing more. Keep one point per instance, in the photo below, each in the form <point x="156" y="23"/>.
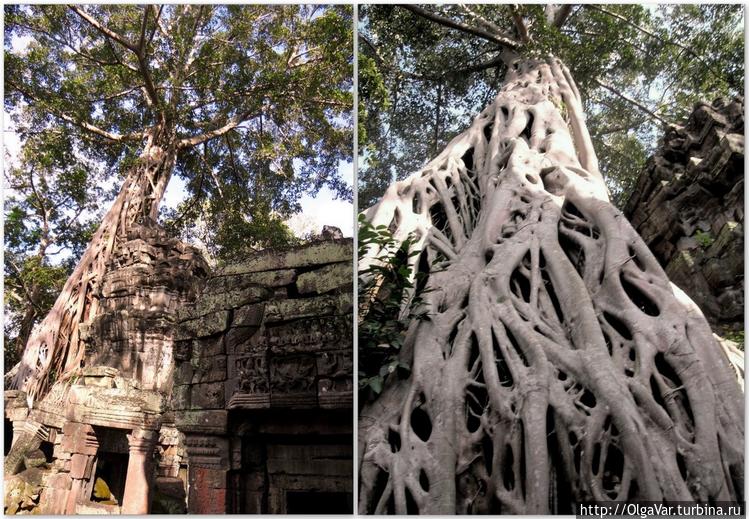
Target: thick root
<point x="557" y="364"/>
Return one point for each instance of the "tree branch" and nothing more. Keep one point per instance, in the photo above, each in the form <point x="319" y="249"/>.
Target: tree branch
<point x="520" y="24"/>
<point x="564" y="12"/>
<point x="556" y="15"/>
<point x="143" y="25"/>
<point x="232" y="123"/>
<point x="447" y="22"/>
<point x="155" y="24"/>
<point x="659" y="38"/>
<point x="490" y="63"/>
<point x="138" y="50"/>
<point x="106" y="31"/>
<point x="488" y="25"/>
<point x="115" y="137"/>
<point x="631" y="101"/>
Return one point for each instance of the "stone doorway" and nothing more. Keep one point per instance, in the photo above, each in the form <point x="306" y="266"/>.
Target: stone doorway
<point x="112" y="458"/>
<point x="8" y="431"/>
<point x="284" y="473"/>
<point x="319" y="503"/>
<point x="111" y="467"/>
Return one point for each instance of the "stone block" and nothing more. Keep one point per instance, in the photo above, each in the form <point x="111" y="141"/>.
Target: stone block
<point x="207" y="325"/>
<point x="182" y="349"/>
<point x="16" y="414"/>
<point x="79" y="439"/>
<point x="269" y="279"/>
<point x="729" y="240"/>
<point x="207" y="396"/>
<point x="241" y="339"/>
<point x="210" y="369"/>
<point x="181" y="397"/>
<point x="81" y="466"/>
<point x="211" y="302"/>
<point x="325" y="279"/>
<point x="248" y="315"/>
<point x="59" y="453"/>
<point x="34" y="458"/>
<point x="183" y="372"/>
<point x="210" y="478"/>
<point x="723" y="272"/>
<point x="15" y="398"/>
<point x="345" y="304"/>
<point x="202" y="421"/>
<point x="731" y="304"/>
<point x="53" y="500"/>
<point x="288" y="309"/>
<point x="207" y="347"/>
<point x="319" y="253"/>
<point x="329" y="460"/>
<point x="208" y="493"/>
<point x="335" y="364"/>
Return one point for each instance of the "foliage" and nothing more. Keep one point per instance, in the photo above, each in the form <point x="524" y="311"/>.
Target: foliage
<point x="704" y="239"/>
<point x="384" y="290"/>
<point x="737" y="337"/>
<point x="664" y="58"/>
<point x="260" y="98"/>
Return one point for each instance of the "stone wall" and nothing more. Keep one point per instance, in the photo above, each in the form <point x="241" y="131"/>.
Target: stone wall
<point x="688" y="206"/>
<point x="236" y="384"/>
<point x="268" y="338"/>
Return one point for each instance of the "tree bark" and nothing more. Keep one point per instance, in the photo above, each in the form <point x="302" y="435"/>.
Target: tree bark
<point x="557" y="363"/>
<point x="55" y="349"/>
<point x="25" y="328"/>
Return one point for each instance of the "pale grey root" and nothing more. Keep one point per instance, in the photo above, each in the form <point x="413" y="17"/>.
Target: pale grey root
<point x="55" y="346"/>
<point x="558" y="364"/>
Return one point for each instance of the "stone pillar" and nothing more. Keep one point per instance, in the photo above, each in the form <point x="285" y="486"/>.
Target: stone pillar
<point x="136" y="498"/>
<point x="17" y="411"/>
<point x="208" y="474"/>
<point x="18" y="428"/>
<point x="80" y="441"/>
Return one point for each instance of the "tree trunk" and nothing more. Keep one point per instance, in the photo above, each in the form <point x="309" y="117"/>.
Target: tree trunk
<point x="55" y="350"/>
<point x="557" y="363"/>
<point x="25" y="328"/>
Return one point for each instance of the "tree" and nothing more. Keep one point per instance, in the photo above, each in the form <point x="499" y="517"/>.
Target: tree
<point x="51" y="209"/>
<point x="420" y="80"/>
<point x="552" y="361"/>
<point x="260" y="94"/>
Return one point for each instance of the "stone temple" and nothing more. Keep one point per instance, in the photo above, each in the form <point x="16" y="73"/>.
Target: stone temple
<point x="203" y="392"/>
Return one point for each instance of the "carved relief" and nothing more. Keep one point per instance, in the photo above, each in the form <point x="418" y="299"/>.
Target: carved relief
<point x="304" y="334"/>
<point x="292" y="374"/>
<point x="335" y="364"/>
<point x="252" y="373"/>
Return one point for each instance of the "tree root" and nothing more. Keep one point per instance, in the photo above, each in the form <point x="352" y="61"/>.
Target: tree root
<point x="557" y="364"/>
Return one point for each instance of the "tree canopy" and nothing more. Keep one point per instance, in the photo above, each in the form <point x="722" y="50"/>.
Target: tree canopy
<point x="260" y="97"/>
<point x="426" y="70"/>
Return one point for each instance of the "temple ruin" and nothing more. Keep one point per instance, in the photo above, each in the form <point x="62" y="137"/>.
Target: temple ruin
<point x="688" y="206"/>
<point x="204" y="392"/>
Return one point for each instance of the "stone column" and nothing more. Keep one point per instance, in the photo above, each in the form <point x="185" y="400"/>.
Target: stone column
<point x="136" y="498"/>
<point x="79" y="440"/>
<point x="208" y="463"/>
<point x="18" y="428"/>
